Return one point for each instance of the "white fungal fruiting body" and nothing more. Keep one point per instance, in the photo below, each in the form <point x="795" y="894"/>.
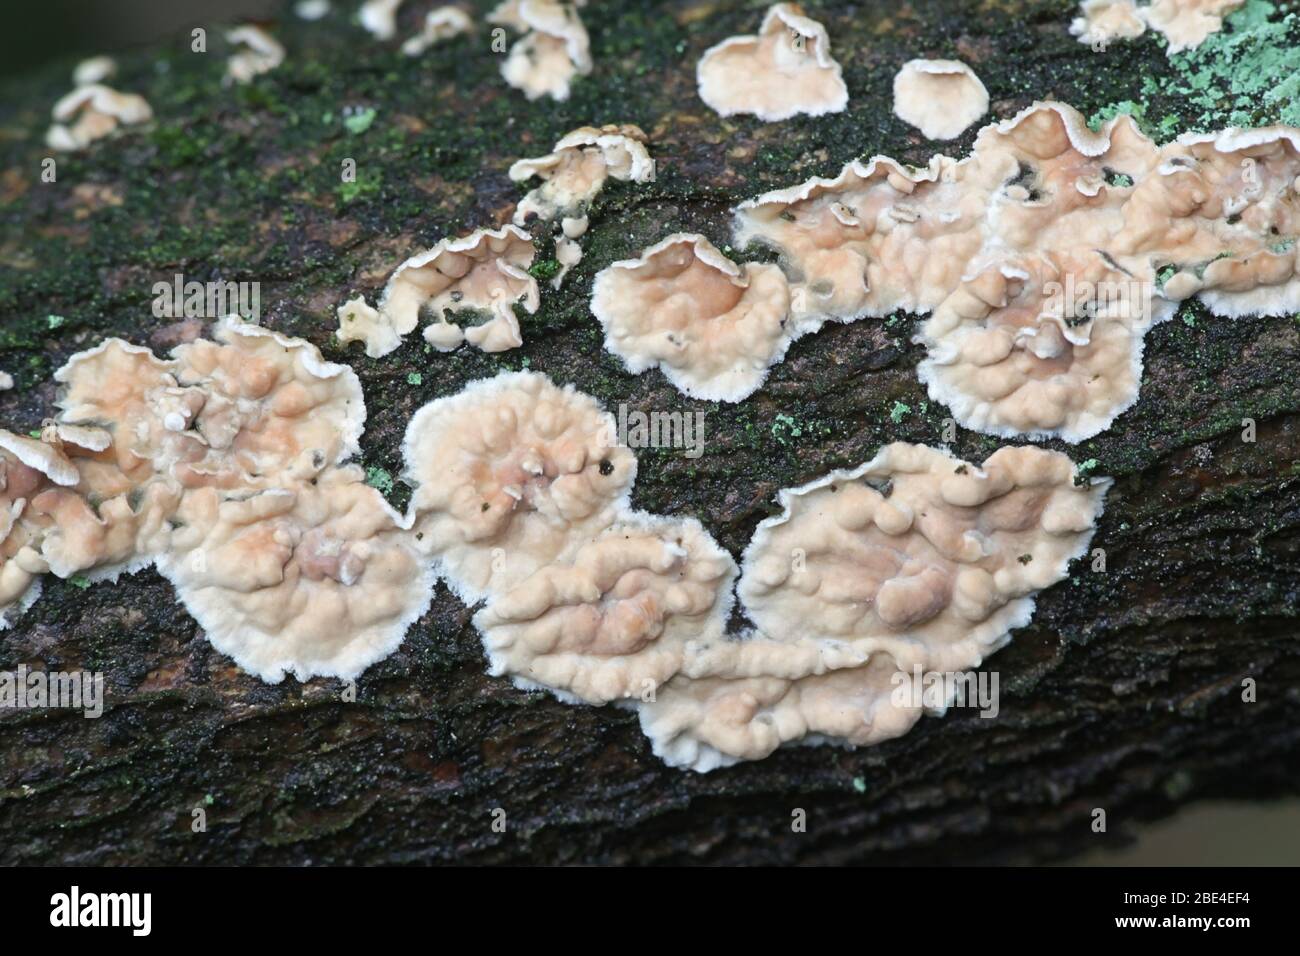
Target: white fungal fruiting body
<point x="713" y="327"/>
<point x="261" y="54"/>
<point x="554" y="50"/>
<point x="440" y="24"/>
<point x="484" y="272"/>
<point x="223" y="465"/>
<point x="95" y="69"/>
<point x="1038" y="255"/>
<point x="1186" y="24"/>
<point x="91" y="112"/>
<point x="785" y="70"/>
<point x="613" y="620"/>
<point x="912" y="563"/>
<point x="508" y="473"/>
<point x="575" y="170"/>
<point x="941" y="98"/>
<point x="358" y="322"/>
<point x="311" y="579"/>
<point x="379" y="18"/>
<point x="572" y="175"/>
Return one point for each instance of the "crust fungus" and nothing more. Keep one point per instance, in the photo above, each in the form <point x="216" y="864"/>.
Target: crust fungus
<point x="1101" y="21"/>
<point x="440" y="24"/>
<point x="482" y="275"/>
<point x="783" y="71"/>
<point x="575" y="170"/>
<point x="1186" y="24"/>
<point x="91" y="112"/>
<point x="714" y="327"/>
<point x="261" y="53"/>
<point x="554" y="49"/>
<point x="916" y="553"/>
<point x="1038" y="255"/>
<point x="941" y="98"/>
<point x="310" y="579"/>
<point x="706" y="724"/>
<point x="508" y="473"/>
<point x="485" y="272"/>
<point x="913" y="562"/>
<point x="95" y="69"/>
<point x="223" y="465"/>
<point x="614" y="620"/>
<point x="572" y="175"/>
<point x="359" y="322"/>
<point x="379" y="18"/>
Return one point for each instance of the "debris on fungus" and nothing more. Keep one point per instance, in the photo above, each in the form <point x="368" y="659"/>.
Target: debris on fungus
<point x="1186" y="24"/>
<point x="260" y="53"/>
<point x="1037" y="256"/>
<point x="714" y="327"/>
<point x="554" y="48"/>
<point x="439" y="24"/>
<point x="785" y="70"/>
<point x="941" y="98"/>
<point x="91" y="112"/>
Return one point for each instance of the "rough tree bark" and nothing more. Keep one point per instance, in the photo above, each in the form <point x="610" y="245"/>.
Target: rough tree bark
<point x="1124" y="693"/>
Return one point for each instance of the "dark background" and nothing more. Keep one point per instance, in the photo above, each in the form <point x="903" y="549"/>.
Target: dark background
<point x="40" y="31"/>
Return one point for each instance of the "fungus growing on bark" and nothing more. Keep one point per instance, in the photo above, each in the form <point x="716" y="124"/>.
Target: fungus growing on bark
<point x="702" y="725"/>
<point x="714" y="327"/>
<point x="614" y="618"/>
<point x="485" y="272"/>
<point x="310" y="578"/>
<point x="260" y="53"/>
<point x="554" y="49"/>
<point x="439" y="24"/>
<point x="572" y="175"/>
<point x="223" y="465"/>
<point x="941" y="98"/>
<point x="575" y="170"/>
<point x="1185" y="23"/>
<point x="783" y="71"/>
<point x="359" y="322"/>
<point x="95" y="69"/>
<point x="509" y="473"/>
<point x="91" y="112"/>
<point x="1038" y="255"/>
<point x="912" y="562"/>
<point x="918" y="553"/>
<point x="379" y="18"/>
